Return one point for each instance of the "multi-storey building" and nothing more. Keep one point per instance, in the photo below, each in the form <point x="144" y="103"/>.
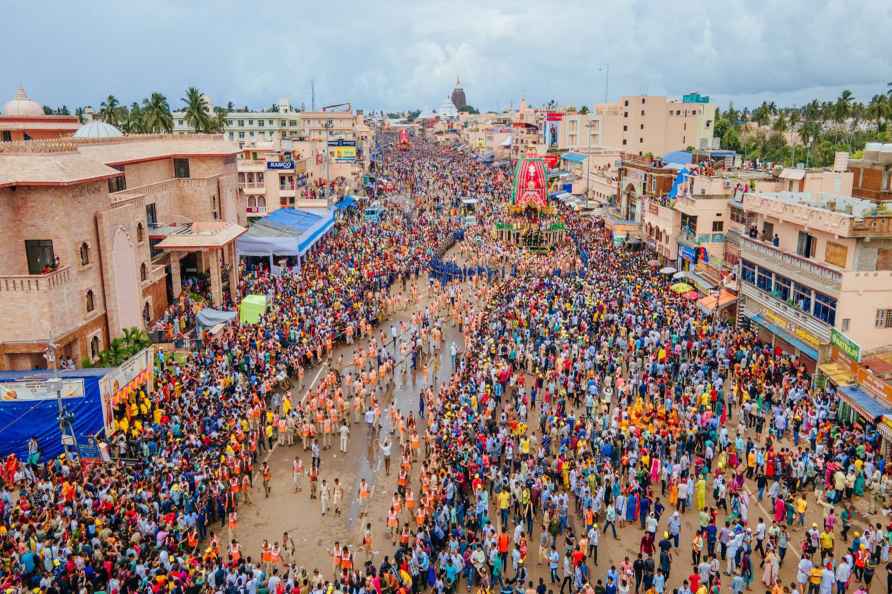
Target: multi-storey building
<point x="873" y="172"/>
<point x="100" y="234"/>
<point x="813" y="266"/>
<point x="643" y="124"/>
<point x="248" y="126"/>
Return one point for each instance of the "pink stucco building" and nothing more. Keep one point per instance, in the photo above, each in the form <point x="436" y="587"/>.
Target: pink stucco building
<point x="98" y="235"/>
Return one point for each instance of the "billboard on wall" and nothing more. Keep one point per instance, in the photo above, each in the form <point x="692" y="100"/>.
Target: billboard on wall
<point x="344" y="150"/>
<point x="122" y="382"/>
<point x="552" y="128"/>
<point x="40" y="389"/>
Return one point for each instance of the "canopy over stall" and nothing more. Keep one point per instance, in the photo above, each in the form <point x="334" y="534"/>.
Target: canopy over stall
<point x="285" y="232"/>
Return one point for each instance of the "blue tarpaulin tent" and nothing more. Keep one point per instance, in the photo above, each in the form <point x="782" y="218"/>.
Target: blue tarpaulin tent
<point x="23" y="417"/>
<point x="285" y="232"/>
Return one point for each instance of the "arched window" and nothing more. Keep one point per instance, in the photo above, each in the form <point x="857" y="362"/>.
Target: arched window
<point x="94" y="347"/>
<point x="143" y="272"/>
<point x="252" y="202"/>
<point x="146" y="314"/>
<point x="140" y="231"/>
<point x="91" y="305"/>
<point x="261" y="203"/>
<point x="85" y="254"/>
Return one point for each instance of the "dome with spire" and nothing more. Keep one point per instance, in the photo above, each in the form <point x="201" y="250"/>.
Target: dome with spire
<point x="97" y="129"/>
<point x="22" y="105"/>
<point x="458" y="95"/>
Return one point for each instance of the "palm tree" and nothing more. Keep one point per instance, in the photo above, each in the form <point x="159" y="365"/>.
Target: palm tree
<point x="197" y="115"/>
<point x="135" y="340"/>
<point x="876" y="110"/>
<point x="134" y="123"/>
<point x="843" y="106"/>
<point x="156" y="114"/>
<point x="109" y="110"/>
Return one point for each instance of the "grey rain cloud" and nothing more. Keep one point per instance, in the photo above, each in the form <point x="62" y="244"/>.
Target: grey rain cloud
<point x="405" y="54"/>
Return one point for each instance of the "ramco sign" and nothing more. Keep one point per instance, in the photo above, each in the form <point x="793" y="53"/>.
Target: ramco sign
<point x="280" y="165"/>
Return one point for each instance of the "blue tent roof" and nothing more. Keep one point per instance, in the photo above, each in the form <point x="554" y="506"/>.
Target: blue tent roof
<point x="573" y="157"/>
<point x="680" y="157"/>
<point x="285" y="232"/>
<point x="864" y="402"/>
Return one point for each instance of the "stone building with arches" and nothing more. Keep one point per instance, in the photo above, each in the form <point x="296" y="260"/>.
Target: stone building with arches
<point x="99" y="233"/>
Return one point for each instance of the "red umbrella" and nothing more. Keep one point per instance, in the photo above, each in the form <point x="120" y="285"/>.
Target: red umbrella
<point x="692" y="295"/>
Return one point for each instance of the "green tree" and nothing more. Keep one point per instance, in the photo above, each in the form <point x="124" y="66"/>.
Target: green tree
<point x="583" y="110"/>
<point x="721" y="127"/>
<point x="468" y="109"/>
<point x="775" y="148"/>
<point x="134" y="123"/>
<point x="780" y="124"/>
<point x="843" y="106"/>
<point x="156" y="114"/>
<point x="110" y="110"/>
<point x="878" y="110"/>
<point x="196" y="115"/>
<point x="731" y="139"/>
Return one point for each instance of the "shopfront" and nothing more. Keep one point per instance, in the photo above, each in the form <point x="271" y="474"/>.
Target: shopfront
<point x="788" y="336"/>
<point x="864" y="398"/>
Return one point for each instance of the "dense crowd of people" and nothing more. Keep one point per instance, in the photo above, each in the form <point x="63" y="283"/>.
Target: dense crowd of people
<point x="588" y="399"/>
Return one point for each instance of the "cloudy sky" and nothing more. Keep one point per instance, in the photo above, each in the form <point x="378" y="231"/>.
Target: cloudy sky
<point x="394" y="54"/>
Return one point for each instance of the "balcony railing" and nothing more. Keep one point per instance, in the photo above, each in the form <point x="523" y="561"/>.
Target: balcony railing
<point x="35" y="283"/>
<point x="791" y="261"/>
<point x="871" y="227"/>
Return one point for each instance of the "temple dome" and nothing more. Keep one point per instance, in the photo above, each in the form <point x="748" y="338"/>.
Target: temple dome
<point x="97" y="129"/>
<point x="21" y="105"/>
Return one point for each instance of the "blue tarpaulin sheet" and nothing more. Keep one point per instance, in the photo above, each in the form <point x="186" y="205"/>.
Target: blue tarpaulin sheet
<point x="864" y="402"/>
<point x="20" y="420"/>
<point x="679" y="157"/>
<point x="573" y="157"/>
<point x="345" y="203"/>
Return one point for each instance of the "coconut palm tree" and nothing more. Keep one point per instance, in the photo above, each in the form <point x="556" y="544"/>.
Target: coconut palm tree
<point x="134" y="122"/>
<point x="196" y="115"/>
<point x="109" y="110"/>
<point x="156" y="114"/>
<point x="876" y="110"/>
<point x="843" y="106"/>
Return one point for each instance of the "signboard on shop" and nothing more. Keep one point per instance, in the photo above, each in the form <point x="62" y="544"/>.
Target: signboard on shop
<point x="280" y="165"/>
<point x="687" y="253"/>
<point x="800" y="333"/>
<point x="846" y="345"/>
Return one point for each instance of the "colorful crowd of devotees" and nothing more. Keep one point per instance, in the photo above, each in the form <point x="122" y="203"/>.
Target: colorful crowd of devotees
<point x="587" y="399"/>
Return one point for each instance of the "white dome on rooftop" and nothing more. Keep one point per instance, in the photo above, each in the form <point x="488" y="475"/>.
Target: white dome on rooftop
<point x="21" y="105"/>
<point x="97" y="129"/>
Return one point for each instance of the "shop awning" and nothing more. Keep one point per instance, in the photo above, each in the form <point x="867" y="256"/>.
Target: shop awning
<point x="864" y="403"/>
<point x="725" y="298"/>
<point x="837" y="374"/>
<point x="800" y="346"/>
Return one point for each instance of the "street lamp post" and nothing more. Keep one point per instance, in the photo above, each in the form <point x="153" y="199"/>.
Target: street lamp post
<point x="605" y="68"/>
<point x="66" y="430"/>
